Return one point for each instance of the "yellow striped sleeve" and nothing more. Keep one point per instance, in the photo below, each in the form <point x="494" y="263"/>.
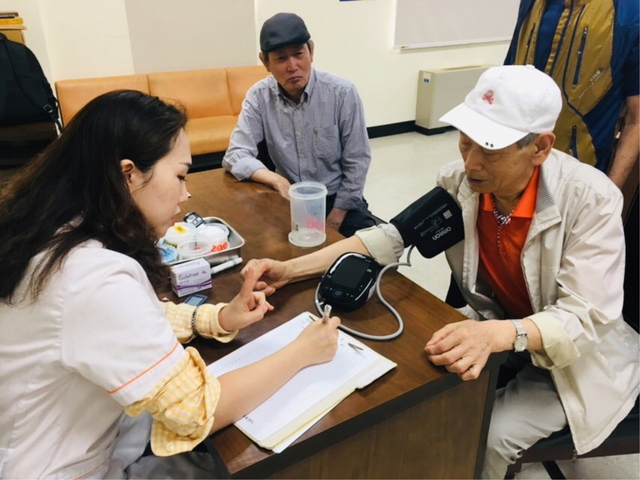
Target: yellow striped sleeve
<point x="207" y="325"/>
<point x="182" y="406"/>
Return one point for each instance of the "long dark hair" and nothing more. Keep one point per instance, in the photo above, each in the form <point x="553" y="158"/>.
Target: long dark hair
<point x="75" y="190"/>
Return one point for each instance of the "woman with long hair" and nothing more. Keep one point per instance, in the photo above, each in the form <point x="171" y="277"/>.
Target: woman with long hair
<point x="85" y="344"/>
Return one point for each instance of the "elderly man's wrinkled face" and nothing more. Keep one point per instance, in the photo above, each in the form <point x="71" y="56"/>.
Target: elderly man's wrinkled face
<point x="291" y="67"/>
<point x="504" y="172"/>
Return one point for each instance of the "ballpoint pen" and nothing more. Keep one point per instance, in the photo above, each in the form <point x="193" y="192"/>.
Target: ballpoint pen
<point x="326" y="313"/>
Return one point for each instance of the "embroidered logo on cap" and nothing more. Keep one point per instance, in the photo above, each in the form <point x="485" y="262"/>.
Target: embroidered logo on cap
<point x="488" y="97"/>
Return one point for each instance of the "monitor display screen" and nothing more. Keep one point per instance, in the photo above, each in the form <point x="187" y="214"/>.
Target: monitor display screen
<point x="349" y="272"/>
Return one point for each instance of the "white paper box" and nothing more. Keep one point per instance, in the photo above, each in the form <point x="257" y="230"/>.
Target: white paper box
<point x="191" y="277"/>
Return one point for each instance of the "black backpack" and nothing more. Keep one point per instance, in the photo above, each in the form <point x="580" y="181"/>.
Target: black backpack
<point x="25" y="93"/>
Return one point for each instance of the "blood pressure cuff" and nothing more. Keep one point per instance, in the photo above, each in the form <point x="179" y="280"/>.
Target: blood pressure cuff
<point x="432" y="223"/>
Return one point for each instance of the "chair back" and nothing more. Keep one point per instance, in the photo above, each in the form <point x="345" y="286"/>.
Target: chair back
<point x="632" y="269"/>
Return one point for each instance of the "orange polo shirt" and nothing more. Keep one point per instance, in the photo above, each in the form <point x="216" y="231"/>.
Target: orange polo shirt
<point x="500" y="263"/>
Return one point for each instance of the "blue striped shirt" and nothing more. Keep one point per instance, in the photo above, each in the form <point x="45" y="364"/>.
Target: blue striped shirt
<point x="324" y="138"/>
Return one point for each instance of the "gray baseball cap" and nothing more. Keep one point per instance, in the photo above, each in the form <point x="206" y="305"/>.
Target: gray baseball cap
<point x="281" y="30"/>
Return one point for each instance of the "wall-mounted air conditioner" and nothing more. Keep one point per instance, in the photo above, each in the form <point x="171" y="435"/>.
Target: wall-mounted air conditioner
<point x="441" y="90"/>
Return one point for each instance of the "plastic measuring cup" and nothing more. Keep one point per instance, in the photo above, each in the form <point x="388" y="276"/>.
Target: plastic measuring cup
<point x="308" y="208"/>
<point x="216" y="234"/>
<point x="194" y="249"/>
<point x="180" y="233"/>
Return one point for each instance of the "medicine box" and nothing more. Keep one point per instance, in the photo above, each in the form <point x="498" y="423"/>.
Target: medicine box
<point x="190" y="277"/>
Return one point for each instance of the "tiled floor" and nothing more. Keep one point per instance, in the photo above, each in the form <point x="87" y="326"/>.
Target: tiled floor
<point x="403" y="168"/>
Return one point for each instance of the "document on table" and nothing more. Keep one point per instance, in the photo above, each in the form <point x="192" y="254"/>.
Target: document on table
<point x="309" y="394"/>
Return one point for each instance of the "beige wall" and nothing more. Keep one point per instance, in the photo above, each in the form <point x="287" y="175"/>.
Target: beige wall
<point x="87" y="39"/>
<point x="34" y="34"/>
<point x="355" y="40"/>
<point x="80" y="38"/>
<point x="76" y="38"/>
<point x="168" y="35"/>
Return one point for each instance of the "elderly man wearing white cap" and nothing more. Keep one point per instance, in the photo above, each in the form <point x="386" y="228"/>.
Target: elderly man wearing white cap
<point x="541" y="265"/>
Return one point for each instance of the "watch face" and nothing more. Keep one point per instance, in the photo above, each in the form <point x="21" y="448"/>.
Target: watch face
<point x="520" y="345"/>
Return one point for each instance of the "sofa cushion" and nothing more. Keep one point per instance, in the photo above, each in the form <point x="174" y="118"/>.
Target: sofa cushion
<point x="241" y="79"/>
<point x="203" y="93"/>
<point x="211" y="134"/>
<point x="75" y="94"/>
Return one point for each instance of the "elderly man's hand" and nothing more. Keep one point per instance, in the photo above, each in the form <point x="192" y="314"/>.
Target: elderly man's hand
<point x="336" y="217"/>
<point x="271" y="274"/>
<point x="464" y="347"/>
<point x="281" y="185"/>
<point x="273" y="180"/>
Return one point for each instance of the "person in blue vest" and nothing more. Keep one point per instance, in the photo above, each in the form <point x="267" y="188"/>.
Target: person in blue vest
<point x="590" y="48"/>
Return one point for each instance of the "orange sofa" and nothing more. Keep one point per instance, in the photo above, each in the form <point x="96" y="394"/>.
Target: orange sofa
<point x="212" y="99"/>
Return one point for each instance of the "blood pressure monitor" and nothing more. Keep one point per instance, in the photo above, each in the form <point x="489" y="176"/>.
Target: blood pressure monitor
<point x="349" y="282"/>
<point x="432" y="224"/>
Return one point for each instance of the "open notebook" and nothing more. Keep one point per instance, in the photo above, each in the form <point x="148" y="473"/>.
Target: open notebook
<point x="311" y="393"/>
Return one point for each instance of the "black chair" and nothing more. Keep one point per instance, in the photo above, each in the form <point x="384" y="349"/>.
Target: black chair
<point x="20" y="143"/>
<point x="625" y="439"/>
<point x="559" y="446"/>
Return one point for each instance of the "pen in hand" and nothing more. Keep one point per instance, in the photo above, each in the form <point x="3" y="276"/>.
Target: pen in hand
<point x="326" y="313"/>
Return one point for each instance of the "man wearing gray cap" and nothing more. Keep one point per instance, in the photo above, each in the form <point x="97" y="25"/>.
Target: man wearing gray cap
<point x="313" y="125"/>
<point x="541" y="266"/>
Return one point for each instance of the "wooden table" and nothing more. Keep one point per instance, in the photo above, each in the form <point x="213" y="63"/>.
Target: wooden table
<point x="417" y="421"/>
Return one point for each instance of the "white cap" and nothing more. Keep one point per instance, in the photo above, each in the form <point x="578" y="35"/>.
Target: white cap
<point x="507" y="103"/>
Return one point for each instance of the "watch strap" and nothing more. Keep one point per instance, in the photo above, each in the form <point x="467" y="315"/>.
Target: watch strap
<point x="521" y="341"/>
<point x="193" y="321"/>
<point x="519" y="328"/>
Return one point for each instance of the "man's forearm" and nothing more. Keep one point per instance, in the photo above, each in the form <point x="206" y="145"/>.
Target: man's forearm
<point x="628" y="144"/>
<point x="626" y="155"/>
<point x="273" y="180"/>
<point x="350" y="193"/>
<point x="316" y="263"/>
<point x="263" y="175"/>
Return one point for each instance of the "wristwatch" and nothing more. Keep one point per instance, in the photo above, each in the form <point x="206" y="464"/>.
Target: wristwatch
<point x="521" y="341"/>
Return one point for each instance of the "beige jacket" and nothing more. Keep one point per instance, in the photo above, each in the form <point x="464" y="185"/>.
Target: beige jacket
<point x="573" y="264"/>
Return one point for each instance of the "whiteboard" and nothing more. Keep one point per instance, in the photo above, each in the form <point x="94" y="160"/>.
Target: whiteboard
<point x="433" y="23"/>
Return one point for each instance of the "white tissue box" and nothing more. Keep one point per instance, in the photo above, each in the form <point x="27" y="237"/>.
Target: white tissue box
<point x="191" y="277"/>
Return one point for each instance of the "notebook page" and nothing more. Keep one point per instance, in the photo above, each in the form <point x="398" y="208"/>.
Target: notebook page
<point x="311" y="387"/>
<point x="279" y="448"/>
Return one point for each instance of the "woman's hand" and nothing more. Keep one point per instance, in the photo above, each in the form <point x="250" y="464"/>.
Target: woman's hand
<point x="319" y="341"/>
<point x="245" y="388"/>
<point x="247" y="307"/>
<point x="272" y="274"/>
